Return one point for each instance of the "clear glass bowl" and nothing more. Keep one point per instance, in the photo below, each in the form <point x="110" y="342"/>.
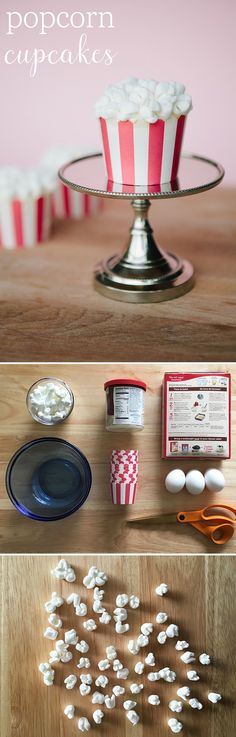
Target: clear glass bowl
<point x="49" y="420"/>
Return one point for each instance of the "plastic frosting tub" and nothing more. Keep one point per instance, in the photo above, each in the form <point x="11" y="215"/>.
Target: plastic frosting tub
<point x="124" y="404"/>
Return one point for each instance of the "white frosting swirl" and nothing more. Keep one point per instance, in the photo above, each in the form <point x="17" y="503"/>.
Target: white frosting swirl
<point x="143" y="100"/>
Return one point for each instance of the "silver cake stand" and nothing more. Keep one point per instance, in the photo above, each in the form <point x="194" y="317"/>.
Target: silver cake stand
<point x="144" y="272"/>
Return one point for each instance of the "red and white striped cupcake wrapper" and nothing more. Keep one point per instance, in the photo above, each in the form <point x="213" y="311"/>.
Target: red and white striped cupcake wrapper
<point x="142" y="153"/>
<point x="23" y="223"/>
<point x="123" y="493"/>
<point x="67" y="203"/>
<point x="124" y="476"/>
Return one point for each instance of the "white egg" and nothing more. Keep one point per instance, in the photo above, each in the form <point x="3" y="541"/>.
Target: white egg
<point x="195" y="482"/>
<point x="214" y="479"/>
<point x="175" y="481"/>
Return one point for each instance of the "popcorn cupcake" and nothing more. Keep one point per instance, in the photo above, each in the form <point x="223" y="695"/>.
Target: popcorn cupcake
<point x="25" y="207"/>
<point x="67" y="203"/>
<point x="142" y="124"/>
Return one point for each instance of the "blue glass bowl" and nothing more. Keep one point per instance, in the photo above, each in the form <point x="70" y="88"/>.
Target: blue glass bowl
<point x="48" y="479"/>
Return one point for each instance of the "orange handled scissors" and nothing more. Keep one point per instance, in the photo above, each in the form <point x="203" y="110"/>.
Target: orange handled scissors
<point x="217" y="522"/>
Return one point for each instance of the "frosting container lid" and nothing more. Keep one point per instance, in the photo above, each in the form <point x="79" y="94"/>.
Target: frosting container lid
<point x="127" y="382"/>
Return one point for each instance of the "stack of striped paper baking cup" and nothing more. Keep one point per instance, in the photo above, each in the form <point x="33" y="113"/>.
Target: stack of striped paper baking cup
<point x="124" y="476"/>
<point x="25" y="207"/>
<point x="68" y="203"/>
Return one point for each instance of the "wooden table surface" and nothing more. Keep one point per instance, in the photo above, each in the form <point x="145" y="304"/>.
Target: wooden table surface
<point x="49" y="308"/>
<point x="99" y="526"/>
<point x="30" y="709"/>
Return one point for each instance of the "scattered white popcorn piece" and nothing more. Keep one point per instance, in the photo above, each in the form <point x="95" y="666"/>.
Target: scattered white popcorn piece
<point x="66" y="657"/>
<point x="82" y="646"/>
<point x="50" y="634"/>
<point x="139" y="667"/>
<point x="81" y="609"/>
<point x="120" y="614"/>
<point x="101" y="681"/>
<point x="143" y="640"/>
<point x="195" y="704"/>
<point x="122" y="600"/>
<point x="111" y="652"/>
<point x="55" y="620"/>
<point x="44" y="668"/>
<point x="84" y="724"/>
<point x="172" y="630"/>
<point x="154" y="699"/>
<point x="204" y="659"/>
<point x="188" y="657"/>
<point x="154" y="676"/>
<point x="98" y="593"/>
<point x="110" y="701"/>
<point x="83" y="663"/>
<point x="71" y="637"/>
<point x="69" y="711"/>
<point x="89" y="625"/>
<point x="134" y="602"/>
<point x="181" y="645"/>
<point x="129" y="704"/>
<point x="64" y="571"/>
<point x="118" y="690"/>
<point x="98" y="698"/>
<point x="183" y="692"/>
<point x="133" y="647"/>
<point x="101" y="578"/>
<point x="136" y="687"/>
<point x="167" y="675"/>
<point x="192" y="675"/>
<point x="123" y="673"/>
<point x="121" y="628"/>
<point x="214" y="697"/>
<point x="86" y="678"/>
<point x="73" y="599"/>
<point x="150" y="659"/>
<point x="162" y="637"/>
<point x="105" y="618"/>
<point x="132" y="716"/>
<point x="175" y="726"/>
<point x="162" y="589"/>
<point x="175" y="705"/>
<point x="84" y="689"/>
<point x="55" y="657"/>
<point x="146" y="628"/>
<point x="104" y="664"/>
<point x="97" y="607"/>
<point x="89" y="582"/>
<point x="48" y="673"/>
<point x="161" y="617"/>
<point x="98" y="716"/>
<point x="70" y="681"/>
<point x="117" y="665"/>
<point x="55" y="602"/>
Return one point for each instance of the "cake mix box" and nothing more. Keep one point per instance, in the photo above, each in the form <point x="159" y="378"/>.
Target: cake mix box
<point x="196" y="415"/>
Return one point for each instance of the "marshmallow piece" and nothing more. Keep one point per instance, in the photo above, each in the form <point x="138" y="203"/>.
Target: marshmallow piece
<point x="139" y="667"/>
<point x="133" y="647"/>
<point x="176" y="706"/>
<point x="90" y="625"/>
<point x="101" y="681"/>
<point x="69" y="711"/>
<point x="98" y="698"/>
<point x="81" y="609"/>
<point x="122" y="600"/>
<point x="136" y="687"/>
<point x="162" y="589"/>
<point x="204" y="659"/>
<point x="172" y="630"/>
<point x="104" y="664"/>
<point x="98" y="716"/>
<point x="50" y="634"/>
<point x="71" y="637"/>
<point x="55" y="620"/>
<point x="214" y="697"/>
<point x="188" y="657"/>
<point x="195" y="704"/>
<point x="120" y="614"/>
<point x="162" y="637"/>
<point x="175" y="726"/>
<point x="154" y="676"/>
<point x="146" y="628"/>
<point x="150" y="659"/>
<point x="111" y="653"/>
<point x="154" y="700"/>
<point x="73" y="599"/>
<point x="86" y="678"/>
<point x="183" y="692"/>
<point x="84" y="724"/>
<point x="122" y="673"/>
<point x="118" y="690"/>
<point x="105" y="618"/>
<point x="82" y="646"/>
<point x="132" y="716"/>
<point x="192" y="675"/>
<point x="84" y="689"/>
<point x="134" y="602"/>
<point x="181" y="645"/>
<point x="110" y="701"/>
<point x="161" y="617"/>
<point x="143" y="640"/>
<point x="129" y="704"/>
<point x="122" y="628"/>
<point x="70" y="681"/>
<point x="83" y="663"/>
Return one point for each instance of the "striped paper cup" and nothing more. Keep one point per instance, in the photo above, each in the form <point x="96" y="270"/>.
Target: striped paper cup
<point x="124" y="476"/>
<point x="67" y="203"/>
<point x="123" y="492"/>
<point x="25" y="222"/>
<point x="142" y="153"/>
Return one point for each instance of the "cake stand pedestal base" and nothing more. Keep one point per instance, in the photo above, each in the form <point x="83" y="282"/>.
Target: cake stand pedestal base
<point x="145" y="273"/>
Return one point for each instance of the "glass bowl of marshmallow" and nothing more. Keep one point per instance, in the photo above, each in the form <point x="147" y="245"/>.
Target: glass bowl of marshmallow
<point x="50" y="401"/>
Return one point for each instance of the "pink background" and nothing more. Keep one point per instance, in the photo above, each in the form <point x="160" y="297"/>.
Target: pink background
<point x="192" y="41"/>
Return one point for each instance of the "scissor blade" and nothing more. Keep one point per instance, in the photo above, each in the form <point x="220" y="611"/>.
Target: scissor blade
<point x="158" y="519"/>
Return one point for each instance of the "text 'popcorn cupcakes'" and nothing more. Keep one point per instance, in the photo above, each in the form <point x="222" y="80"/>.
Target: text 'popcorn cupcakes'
<point x="124" y="476"/>
<point x="142" y="125"/>
<point x="25" y="207"/>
